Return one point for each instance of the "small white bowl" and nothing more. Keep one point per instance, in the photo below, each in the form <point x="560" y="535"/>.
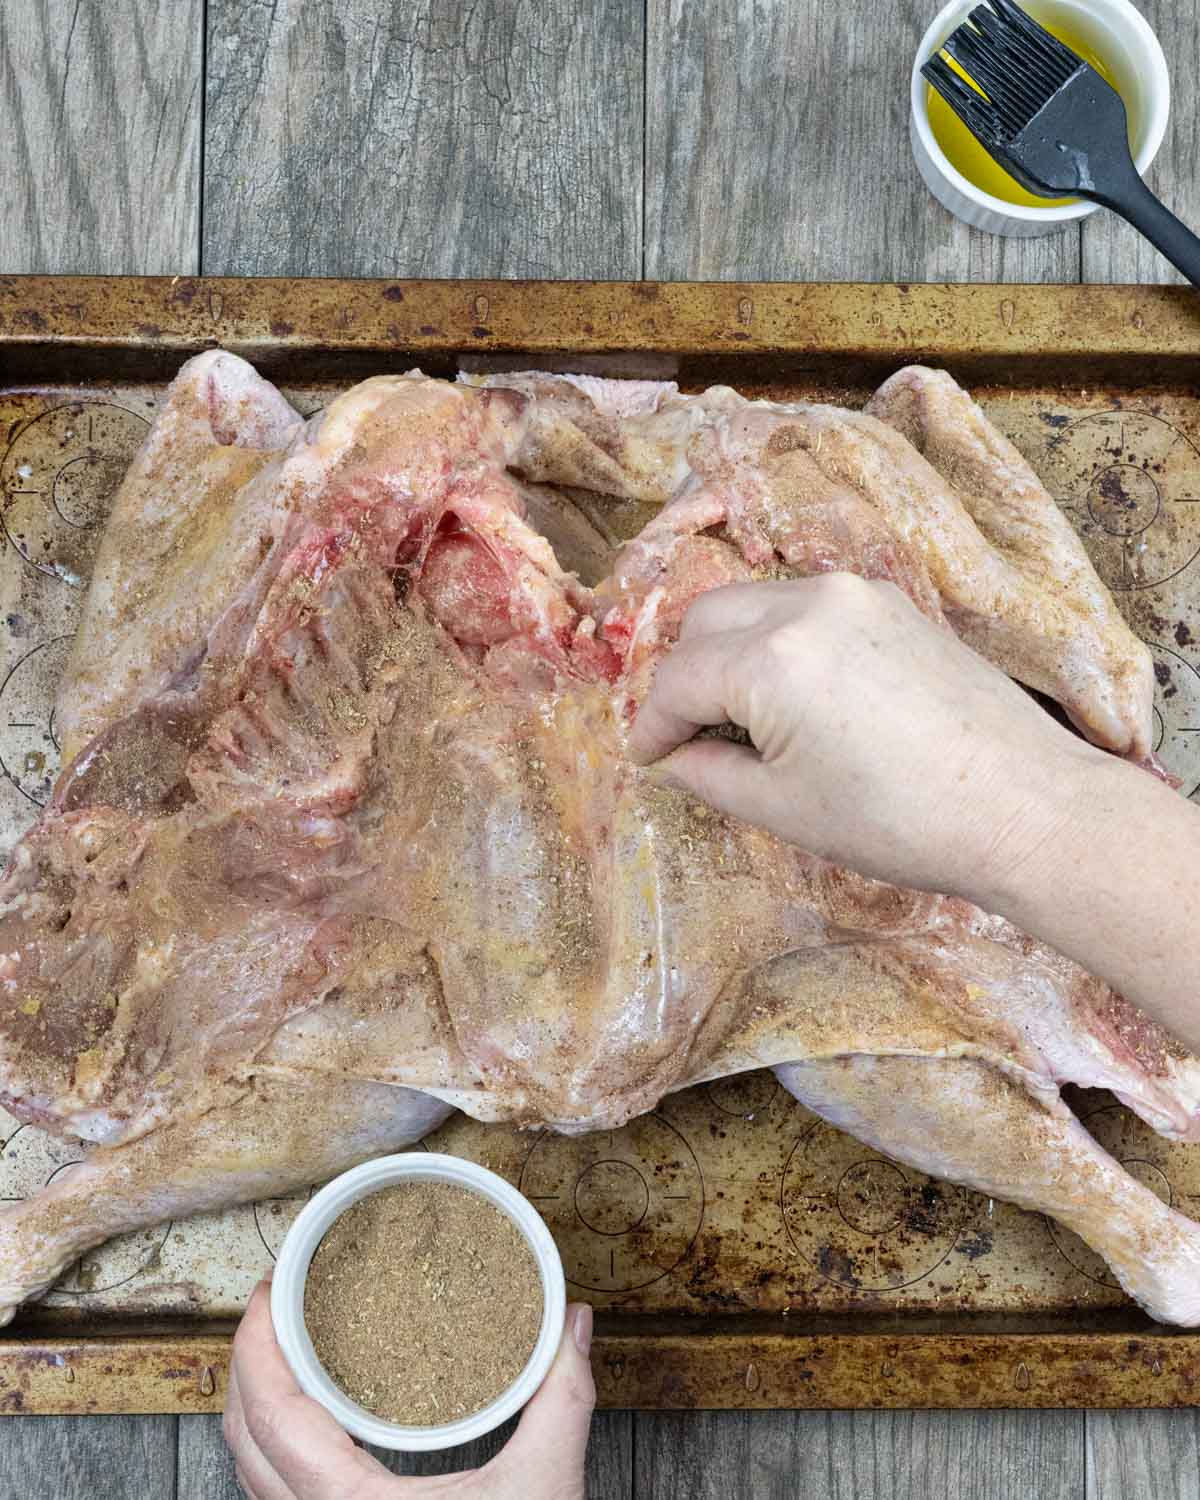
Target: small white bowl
<point x="300" y="1244"/>
<point x="1121" y="35"/>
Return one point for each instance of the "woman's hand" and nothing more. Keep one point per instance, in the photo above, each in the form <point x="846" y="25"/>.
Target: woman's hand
<point x="879" y="741"/>
<point x="884" y="744"/>
<point x="287" y="1446"/>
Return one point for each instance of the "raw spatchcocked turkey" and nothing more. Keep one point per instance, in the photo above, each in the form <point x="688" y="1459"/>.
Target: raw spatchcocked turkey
<point x="347" y="837"/>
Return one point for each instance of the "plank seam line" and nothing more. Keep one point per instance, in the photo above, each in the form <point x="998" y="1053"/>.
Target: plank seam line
<point x="645" y="142"/>
<point x="203" y="135"/>
<point x="1087" y="1416"/>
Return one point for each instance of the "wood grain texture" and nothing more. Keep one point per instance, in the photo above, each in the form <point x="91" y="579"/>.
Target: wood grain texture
<point x="429" y="137"/>
<point x="1153" y="1455"/>
<point x="206" y="1469"/>
<point x="611" y="1474"/>
<point x="850" y="1455"/>
<point x="777" y="148"/>
<point x="204" y="1465"/>
<point x="1112" y="250"/>
<point x="100" y="119"/>
<point x="100" y="116"/>
<point x="88" y="1458"/>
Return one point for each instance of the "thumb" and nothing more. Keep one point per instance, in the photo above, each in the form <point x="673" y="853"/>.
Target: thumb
<point x="550" y="1443"/>
<point x="732" y="778"/>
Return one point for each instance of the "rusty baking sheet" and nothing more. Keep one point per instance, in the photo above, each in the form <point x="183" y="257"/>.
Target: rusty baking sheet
<point x="739" y="1251"/>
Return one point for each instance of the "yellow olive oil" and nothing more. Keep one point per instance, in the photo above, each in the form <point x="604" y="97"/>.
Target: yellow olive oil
<point x="964" y="151"/>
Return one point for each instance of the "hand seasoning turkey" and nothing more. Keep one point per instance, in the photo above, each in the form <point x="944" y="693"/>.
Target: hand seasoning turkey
<point x="347" y="836"/>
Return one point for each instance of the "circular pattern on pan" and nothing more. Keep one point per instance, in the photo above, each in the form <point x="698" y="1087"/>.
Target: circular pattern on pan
<point x="624" y="1205"/>
<point x="29" y="751"/>
<point x="58" y="479"/>
<point x="745" y="1096"/>
<point x="862" y="1220"/>
<point x="1177" y="715"/>
<point x="273" y="1217"/>
<point x="1128" y="480"/>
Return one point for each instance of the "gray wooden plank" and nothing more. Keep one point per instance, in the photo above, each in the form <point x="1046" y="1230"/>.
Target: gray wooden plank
<point x="100" y="118"/>
<point x="206" y="1469"/>
<point x="610" y="1459"/>
<point x="424" y="137"/>
<point x="204" y="1465"/>
<point x="87" y="1458"/>
<point x="1112" y="250"/>
<point x="100" y="115"/>
<point x="849" y="1455"/>
<point x="777" y="149"/>
<point x="1153" y="1455"/>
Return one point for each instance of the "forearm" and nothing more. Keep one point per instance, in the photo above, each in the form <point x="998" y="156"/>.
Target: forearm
<point x="1111" y="878"/>
<point x="883" y="744"/>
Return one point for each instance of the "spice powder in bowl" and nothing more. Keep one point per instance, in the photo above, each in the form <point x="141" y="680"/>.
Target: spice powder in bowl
<point x="423" y="1302"/>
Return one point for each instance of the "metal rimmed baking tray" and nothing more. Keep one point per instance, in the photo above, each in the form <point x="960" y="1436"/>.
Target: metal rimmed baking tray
<point x="739" y="1252"/>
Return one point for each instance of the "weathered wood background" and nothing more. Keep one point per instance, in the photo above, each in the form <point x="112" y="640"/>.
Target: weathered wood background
<point x="578" y="138"/>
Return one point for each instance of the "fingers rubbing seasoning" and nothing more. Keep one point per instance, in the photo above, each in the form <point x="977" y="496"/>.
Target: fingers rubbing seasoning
<point x="688" y="694"/>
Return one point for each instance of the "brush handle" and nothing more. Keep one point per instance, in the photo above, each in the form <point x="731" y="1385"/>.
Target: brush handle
<point x="1127" y="195"/>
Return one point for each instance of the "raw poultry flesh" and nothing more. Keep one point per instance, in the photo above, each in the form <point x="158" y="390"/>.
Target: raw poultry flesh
<point x="347" y="836"/>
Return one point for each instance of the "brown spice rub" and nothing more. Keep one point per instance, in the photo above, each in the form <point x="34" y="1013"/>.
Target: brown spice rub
<point x="423" y="1303"/>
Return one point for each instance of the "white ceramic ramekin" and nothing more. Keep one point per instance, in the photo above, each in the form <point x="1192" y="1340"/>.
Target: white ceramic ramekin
<point x="1120" y="35"/>
<point x="300" y="1244"/>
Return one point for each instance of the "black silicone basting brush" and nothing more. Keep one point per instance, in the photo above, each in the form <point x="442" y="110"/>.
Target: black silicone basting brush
<point x="1052" y="121"/>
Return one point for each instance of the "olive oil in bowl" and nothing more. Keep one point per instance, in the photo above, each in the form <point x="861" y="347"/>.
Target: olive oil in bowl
<point x="965" y="153"/>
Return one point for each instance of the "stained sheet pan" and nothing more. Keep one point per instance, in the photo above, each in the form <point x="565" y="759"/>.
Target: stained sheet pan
<point x="739" y="1252"/>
